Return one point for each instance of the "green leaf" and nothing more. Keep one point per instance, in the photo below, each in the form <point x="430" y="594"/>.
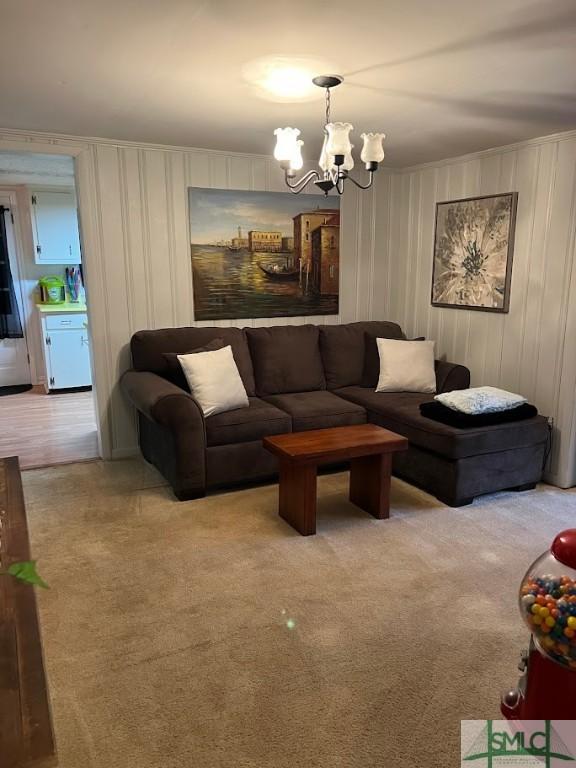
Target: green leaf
<point x="26" y="571"/>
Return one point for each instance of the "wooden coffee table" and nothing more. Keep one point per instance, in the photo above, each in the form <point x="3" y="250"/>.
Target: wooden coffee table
<point x="368" y="448"/>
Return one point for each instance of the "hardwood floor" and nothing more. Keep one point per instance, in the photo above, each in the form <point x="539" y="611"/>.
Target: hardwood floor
<point x="43" y="430"/>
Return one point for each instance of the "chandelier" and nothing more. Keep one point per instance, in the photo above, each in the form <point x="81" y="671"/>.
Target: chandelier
<point x="336" y="159"/>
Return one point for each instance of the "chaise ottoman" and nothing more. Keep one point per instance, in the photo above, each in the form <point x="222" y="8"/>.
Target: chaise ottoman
<point x="457" y="464"/>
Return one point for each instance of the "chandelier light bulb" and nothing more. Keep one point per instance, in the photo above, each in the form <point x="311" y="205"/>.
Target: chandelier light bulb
<point x="339" y="138"/>
<point x="372" y="150"/>
<point x="286" y="144"/>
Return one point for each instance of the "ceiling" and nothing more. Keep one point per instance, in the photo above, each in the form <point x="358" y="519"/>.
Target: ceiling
<point x="439" y="77"/>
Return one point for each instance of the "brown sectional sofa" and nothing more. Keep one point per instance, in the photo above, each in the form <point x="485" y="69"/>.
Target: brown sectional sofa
<point x="313" y="377"/>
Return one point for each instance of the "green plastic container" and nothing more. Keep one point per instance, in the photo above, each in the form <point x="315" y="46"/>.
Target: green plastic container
<point x="52" y="290"/>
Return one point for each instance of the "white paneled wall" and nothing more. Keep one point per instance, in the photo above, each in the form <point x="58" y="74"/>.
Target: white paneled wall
<point x="531" y="349"/>
<point x="134" y="219"/>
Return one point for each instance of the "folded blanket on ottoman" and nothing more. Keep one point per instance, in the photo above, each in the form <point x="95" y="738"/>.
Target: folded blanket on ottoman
<point x="480" y="400"/>
<point x="438" y="412"/>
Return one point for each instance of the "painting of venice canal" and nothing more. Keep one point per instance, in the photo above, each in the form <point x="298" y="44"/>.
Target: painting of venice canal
<point x="263" y="254"/>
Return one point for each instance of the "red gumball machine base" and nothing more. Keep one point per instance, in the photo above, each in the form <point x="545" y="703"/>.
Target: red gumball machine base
<point x="546" y="690"/>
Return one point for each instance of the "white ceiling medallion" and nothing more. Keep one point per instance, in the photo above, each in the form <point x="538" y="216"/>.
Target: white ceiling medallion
<point x="336" y="159"/>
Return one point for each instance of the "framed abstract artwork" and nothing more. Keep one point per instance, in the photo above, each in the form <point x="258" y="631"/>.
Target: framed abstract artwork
<point x="473" y="248"/>
<point x="263" y="254"/>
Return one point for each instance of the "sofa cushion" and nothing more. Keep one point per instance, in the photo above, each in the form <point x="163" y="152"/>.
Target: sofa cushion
<point x="147" y="348"/>
<point x="343" y="348"/>
<point x="318" y="410"/>
<point x="259" y="420"/>
<point x="400" y="412"/>
<point x="286" y="358"/>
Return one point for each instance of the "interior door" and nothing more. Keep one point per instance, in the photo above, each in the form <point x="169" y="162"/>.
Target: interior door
<point x="14" y="364"/>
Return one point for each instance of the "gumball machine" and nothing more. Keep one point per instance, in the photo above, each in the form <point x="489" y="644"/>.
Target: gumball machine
<point x="547" y="599"/>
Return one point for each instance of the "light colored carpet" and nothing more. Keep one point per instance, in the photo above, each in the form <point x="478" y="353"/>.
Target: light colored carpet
<point x="209" y="634"/>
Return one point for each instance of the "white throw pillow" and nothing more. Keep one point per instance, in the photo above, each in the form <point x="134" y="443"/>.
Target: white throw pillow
<point x="406" y="366"/>
<point x="480" y="400"/>
<point x="214" y="380"/>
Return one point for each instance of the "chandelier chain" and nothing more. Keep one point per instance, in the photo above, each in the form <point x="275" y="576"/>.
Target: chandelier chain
<point x="327" y="106"/>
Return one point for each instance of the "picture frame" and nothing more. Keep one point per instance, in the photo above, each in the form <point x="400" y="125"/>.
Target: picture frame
<point x="473" y="252"/>
<point x="263" y="254"/>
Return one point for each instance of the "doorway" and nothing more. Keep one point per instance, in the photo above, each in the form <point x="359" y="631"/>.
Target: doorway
<point x="47" y="408"/>
<point x="14" y="360"/>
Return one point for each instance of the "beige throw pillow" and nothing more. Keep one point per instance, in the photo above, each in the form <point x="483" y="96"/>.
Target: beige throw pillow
<point x="406" y="366"/>
<point x="214" y="380"/>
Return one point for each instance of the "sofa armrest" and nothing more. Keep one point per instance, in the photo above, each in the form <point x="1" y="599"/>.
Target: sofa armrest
<point x="450" y="376"/>
<point x="159" y="399"/>
<point x="172" y="431"/>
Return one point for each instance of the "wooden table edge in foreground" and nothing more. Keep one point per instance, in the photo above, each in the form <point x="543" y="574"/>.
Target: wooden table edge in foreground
<point x="26" y="735"/>
<point x="369" y="449"/>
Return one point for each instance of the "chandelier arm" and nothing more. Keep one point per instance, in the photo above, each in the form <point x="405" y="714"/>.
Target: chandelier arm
<point x="363" y="186"/>
<point x="299" y="185"/>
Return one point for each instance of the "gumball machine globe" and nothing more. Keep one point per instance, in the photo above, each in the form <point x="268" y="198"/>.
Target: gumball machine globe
<point x="548" y="607"/>
<point x="547" y="602"/>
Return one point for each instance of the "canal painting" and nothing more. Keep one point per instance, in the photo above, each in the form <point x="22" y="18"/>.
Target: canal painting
<point x="263" y="254"/>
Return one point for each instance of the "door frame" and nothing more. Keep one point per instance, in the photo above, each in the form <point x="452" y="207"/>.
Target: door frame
<point x="91" y="237"/>
<point x="11" y="196"/>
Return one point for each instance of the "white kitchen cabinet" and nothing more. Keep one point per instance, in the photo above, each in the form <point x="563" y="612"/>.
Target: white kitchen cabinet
<point x="66" y="350"/>
<point x="55" y="226"/>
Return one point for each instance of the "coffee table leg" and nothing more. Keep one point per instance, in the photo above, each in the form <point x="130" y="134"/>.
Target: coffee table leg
<point x="370" y="484"/>
<point x="297" y="492"/>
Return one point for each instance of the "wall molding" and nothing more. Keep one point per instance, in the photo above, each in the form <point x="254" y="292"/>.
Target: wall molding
<point x="482" y="153"/>
<point x="31" y="136"/>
